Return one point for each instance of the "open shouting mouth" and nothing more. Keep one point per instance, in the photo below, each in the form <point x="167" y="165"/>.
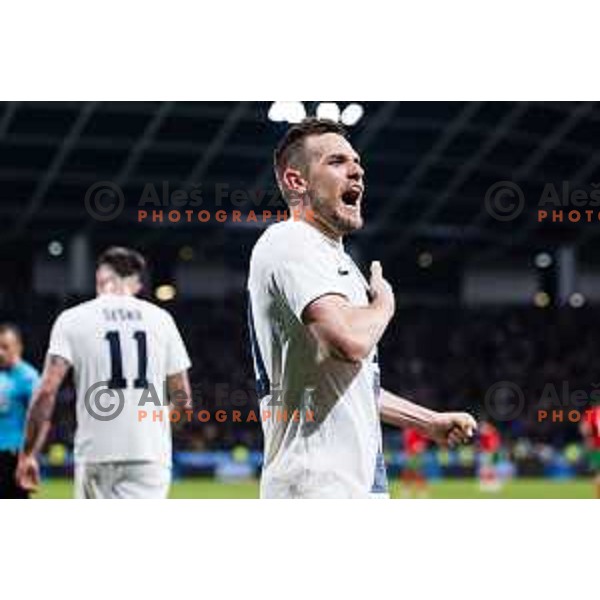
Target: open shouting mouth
<point x="352" y="196"/>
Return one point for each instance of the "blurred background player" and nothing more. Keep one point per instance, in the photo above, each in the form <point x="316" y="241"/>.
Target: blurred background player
<point x="590" y="430"/>
<point x="489" y="455"/>
<point x="18" y="380"/>
<point x="125" y="349"/>
<point x="413" y="479"/>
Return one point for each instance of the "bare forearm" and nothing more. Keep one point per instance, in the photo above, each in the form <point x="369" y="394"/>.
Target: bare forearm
<point x="38" y="423"/>
<point x="368" y="325"/>
<point x="351" y="333"/>
<point x="39" y="416"/>
<point x="180" y="395"/>
<point x="399" y="412"/>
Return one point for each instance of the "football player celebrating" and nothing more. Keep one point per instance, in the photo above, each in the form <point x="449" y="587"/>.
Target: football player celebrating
<point x="315" y="323"/>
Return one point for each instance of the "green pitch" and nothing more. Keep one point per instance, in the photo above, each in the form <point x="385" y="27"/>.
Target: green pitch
<point x="208" y="488"/>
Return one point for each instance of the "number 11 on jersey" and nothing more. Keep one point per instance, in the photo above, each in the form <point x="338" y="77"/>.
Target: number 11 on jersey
<point x="117" y="381"/>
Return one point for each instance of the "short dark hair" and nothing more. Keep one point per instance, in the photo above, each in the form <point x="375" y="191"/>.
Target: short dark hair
<point x="292" y="143"/>
<point x="11" y="328"/>
<point x="125" y="262"/>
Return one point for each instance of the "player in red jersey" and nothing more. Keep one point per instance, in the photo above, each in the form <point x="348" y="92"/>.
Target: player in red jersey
<point x="590" y="430"/>
<point x="413" y="475"/>
<point x="489" y="448"/>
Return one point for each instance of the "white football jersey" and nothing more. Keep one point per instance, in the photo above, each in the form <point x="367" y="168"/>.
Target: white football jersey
<point x="121" y="349"/>
<point x="334" y="448"/>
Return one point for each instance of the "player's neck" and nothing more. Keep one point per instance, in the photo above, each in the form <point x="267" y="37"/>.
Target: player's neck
<point x="115" y="290"/>
<point x="117" y="286"/>
<point x="324" y="228"/>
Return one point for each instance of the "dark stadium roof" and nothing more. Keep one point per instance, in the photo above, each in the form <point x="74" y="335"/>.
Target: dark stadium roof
<point x="429" y="165"/>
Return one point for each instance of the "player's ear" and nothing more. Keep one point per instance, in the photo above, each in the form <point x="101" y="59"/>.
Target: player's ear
<point x="293" y="181"/>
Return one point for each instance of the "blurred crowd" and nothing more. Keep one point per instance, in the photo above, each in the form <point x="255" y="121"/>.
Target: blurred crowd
<point x="454" y="359"/>
<point x="444" y="358"/>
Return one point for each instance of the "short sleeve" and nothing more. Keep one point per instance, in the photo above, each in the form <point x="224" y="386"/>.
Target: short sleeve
<point x="60" y="343"/>
<point x="303" y="279"/>
<point x="178" y="359"/>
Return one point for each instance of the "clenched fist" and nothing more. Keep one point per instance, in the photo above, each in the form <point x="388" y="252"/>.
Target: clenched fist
<point x="452" y="428"/>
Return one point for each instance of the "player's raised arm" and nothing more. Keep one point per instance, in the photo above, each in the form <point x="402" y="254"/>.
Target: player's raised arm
<point x="350" y="332"/>
<point x="445" y="428"/>
<point x="39" y="417"/>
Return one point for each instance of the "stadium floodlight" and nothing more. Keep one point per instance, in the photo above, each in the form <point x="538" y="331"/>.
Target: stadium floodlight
<point x="542" y="299"/>
<point x="186" y="253"/>
<point x="542" y="260"/>
<point x="576" y="300"/>
<point x="425" y="260"/>
<point x="277" y="112"/>
<point x="55" y="248"/>
<point x="352" y="114"/>
<point x="328" y="110"/>
<point x="165" y="292"/>
<point x="292" y="112"/>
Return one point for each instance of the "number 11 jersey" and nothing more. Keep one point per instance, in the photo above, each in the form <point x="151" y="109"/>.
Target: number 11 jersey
<point x="121" y="349"/>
